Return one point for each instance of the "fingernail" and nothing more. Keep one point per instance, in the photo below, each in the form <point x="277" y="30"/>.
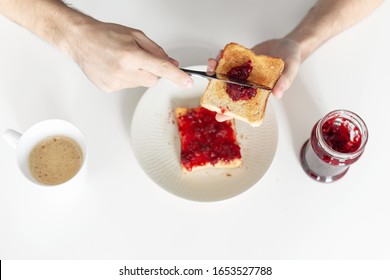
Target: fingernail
<point x="219" y="118"/>
<point x="210" y="71"/>
<point x="222" y="117"/>
<point x="278" y="91"/>
<point x="278" y="94"/>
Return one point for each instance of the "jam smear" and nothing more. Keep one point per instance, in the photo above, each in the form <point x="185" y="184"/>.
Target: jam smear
<point x="205" y="140"/>
<point x="341" y="135"/>
<point x="240" y="73"/>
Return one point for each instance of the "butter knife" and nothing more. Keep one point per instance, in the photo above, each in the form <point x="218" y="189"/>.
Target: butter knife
<point x="225" y="78"/>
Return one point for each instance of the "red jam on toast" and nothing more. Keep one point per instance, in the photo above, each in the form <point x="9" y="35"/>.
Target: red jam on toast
<point x="206" y="142"/>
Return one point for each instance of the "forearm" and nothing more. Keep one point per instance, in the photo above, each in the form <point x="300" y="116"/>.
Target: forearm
<point x="52" y="20"/>
<point x="328" y="18"/>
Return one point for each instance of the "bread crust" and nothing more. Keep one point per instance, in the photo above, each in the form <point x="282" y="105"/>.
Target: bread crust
<point x="179" y="112"/>
<point x="266" y="71"/>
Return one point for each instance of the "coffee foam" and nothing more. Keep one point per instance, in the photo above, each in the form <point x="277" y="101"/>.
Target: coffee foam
<point x="55" y="160"/>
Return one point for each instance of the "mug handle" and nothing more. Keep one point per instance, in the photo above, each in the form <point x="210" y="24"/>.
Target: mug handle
<point x="12" y="137"/>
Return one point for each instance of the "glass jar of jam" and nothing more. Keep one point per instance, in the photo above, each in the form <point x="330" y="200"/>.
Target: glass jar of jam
<point x="337" y="140"/>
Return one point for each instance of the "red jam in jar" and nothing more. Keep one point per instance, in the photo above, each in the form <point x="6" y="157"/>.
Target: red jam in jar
<point x="337" y="141"/>
<point x="205" y="140"/>
<point x="240" y="73"/>
<point x="341" y="135"/>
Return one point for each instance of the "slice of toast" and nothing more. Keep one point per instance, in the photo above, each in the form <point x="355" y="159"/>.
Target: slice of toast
<point x="206" y="142"/>
<point x="265" y="70"/>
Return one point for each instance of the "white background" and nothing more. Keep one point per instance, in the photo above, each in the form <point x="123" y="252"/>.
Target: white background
<point x="122" y="214"/>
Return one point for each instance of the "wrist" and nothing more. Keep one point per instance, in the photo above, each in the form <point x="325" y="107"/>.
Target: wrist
<point x="74" y="30"/>
<point x="56" y="23"/>
<point x="307" y="41"/>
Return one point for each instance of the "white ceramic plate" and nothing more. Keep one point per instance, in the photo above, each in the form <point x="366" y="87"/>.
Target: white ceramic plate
<point x="156" y="145"/>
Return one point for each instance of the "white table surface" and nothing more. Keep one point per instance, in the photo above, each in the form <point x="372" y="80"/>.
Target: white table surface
<point x="121" y="214"/>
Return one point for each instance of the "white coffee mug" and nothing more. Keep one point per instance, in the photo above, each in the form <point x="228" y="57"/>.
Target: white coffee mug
<point x="24" y="143"/>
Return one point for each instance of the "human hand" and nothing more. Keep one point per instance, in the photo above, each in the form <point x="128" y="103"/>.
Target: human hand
<point x="286" y="49"/>
<point x="115" y="57"/>
<point x="290" y="52"/>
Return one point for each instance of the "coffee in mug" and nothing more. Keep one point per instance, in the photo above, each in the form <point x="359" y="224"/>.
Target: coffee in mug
<point x="55" y="160"/>
<point x="50" y="153"/>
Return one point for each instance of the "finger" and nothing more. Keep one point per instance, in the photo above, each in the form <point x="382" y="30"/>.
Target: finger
<point x="174" y="61"/>
<point x="222" y="117"/>
<point x="149" y="45"/>
<point x="165" y="69"/>
<point x="138" y="79"/>
<point x="286" y="79"/>
<point x="146" y="79"/>
<point x="219" y="55"/>
<point x="278" y="89"/>
<point x="212" y="64"/>
<point x="283" y="84"/>
<point x="152" y="47"/>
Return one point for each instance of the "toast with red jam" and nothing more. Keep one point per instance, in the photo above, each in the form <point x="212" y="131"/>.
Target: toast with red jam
<point x="206" y="142"/>
<point x="243" y="103"/>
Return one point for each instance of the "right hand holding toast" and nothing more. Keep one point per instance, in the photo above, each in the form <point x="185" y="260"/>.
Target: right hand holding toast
<point x="290" y="52"/>
<point x="286" y="49"/>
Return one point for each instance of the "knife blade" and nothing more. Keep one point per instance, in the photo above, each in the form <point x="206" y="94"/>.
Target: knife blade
<point x="225" y="78"/>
